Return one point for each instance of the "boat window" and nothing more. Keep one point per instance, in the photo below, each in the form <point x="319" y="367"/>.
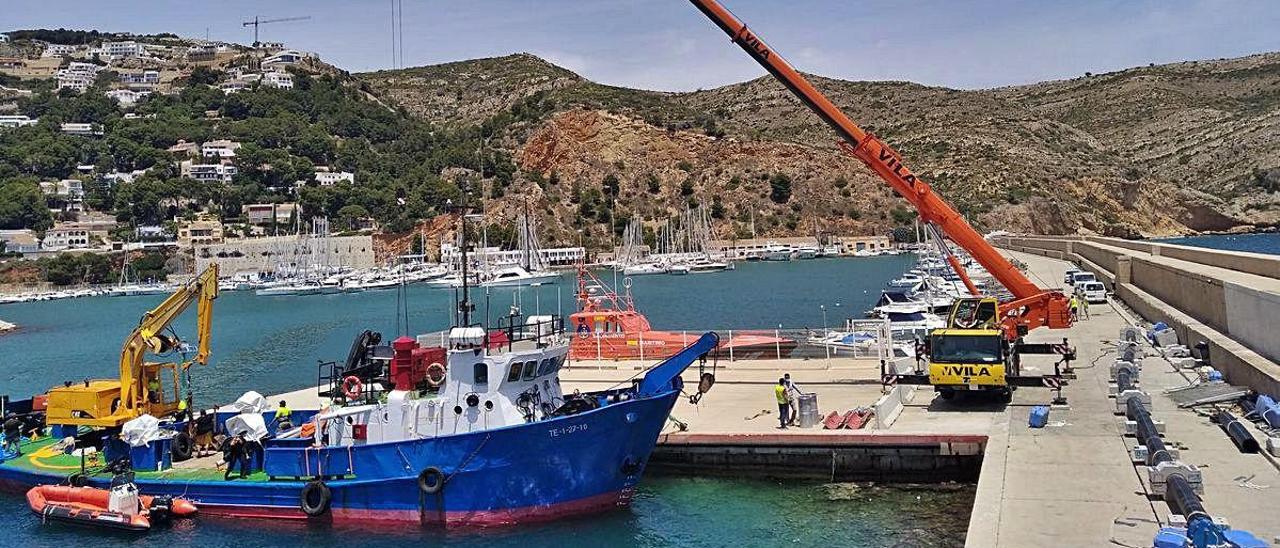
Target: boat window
<point x="559" y="361"/>
<point x="514" y="375"/>
<point x="530" y="370"/>
<point x="481" y="373"/>
<point x="544" y="367"/>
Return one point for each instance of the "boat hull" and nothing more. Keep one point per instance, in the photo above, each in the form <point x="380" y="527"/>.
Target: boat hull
<point x="580" y="464"/>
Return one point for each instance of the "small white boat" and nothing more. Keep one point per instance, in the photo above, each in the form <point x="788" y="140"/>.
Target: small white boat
<point x="294" y="288"/>
<point x="643" y="269"/>
<point x="678" y="269"/>
<point x="707" y="265"/>
<point x="807" y="252"/>
<point x="778" y="252"/>
<point x="510" y="276"/>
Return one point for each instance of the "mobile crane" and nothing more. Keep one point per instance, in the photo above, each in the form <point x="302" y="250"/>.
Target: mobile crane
<point x="107" y="403"/>
<point x="981" y="346"/>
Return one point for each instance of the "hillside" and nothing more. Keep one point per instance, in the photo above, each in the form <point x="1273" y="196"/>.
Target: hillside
<point x="1109" y="154"/>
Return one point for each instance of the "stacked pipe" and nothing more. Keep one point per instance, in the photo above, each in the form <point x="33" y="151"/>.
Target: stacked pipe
<point x="1236" y="430"/>
<point x="1178" y="483"/>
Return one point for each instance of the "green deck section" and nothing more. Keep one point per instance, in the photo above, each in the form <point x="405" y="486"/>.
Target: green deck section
<point x="62" y="464"/>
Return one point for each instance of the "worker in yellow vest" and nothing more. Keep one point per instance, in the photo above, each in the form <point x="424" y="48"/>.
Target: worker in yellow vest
<point x="182" y="410"/>
<point x="283" y="419"/>
<point x="784" y="406"/>
<point x="153" y="390"/>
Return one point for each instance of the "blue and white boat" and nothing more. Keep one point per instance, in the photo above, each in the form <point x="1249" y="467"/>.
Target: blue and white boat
<point x="476" y="431"/>
<point x="495" y="443"/>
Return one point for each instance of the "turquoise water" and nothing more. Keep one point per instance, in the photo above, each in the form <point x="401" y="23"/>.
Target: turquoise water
<point x="1254" y="243"/>
<point x="691" y="512"/>
<point x="271" y="344"/>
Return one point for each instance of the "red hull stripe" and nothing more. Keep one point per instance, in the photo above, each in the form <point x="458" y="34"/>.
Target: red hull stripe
<point x="451" y="518"/>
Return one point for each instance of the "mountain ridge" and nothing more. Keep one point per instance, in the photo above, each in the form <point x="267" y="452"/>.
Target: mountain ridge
<point x="1014" y="157"/>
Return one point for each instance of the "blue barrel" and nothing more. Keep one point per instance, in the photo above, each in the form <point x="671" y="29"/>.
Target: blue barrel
<point x="1269" y="410"/>
<point x="1039" y="416"/>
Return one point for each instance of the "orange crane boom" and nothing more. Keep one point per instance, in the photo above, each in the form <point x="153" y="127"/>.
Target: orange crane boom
<point x="1031" y="306"/>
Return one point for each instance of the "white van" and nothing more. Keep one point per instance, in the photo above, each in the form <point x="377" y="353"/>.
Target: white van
<point x="1080" y="278"/>
<point x="1094" y="292"/>
<point x="1066" y="279"/>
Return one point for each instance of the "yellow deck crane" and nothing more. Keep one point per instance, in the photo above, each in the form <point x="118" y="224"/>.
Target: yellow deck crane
<point x="112" y="402"/>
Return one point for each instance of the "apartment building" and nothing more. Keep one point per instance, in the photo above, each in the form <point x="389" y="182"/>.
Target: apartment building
<point x="205" y="230"/>
<point x="262" y="214"/>
<point x="208" y="172"/>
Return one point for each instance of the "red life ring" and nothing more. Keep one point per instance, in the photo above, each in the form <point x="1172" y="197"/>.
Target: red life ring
<point x="435" y="375"/>
<point x="352" y="387"/>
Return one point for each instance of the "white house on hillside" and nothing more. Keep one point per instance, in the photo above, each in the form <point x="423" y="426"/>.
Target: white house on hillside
<point x="326" y="178"/>
<point x="219" y="148"/>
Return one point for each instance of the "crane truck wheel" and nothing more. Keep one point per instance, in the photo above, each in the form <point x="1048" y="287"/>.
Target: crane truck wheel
<point x="1006" y="395"/>
<point x="947" y="394"/>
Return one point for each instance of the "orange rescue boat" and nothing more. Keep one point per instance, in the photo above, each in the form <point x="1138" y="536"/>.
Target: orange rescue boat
<point x="608" y="326"/>
<point x="92" y="507"/>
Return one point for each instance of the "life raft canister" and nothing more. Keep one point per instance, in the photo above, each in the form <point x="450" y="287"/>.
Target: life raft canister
<point x="431" y="480"/>
<point x="352" y="387"/>
<point x="315" y="498"/>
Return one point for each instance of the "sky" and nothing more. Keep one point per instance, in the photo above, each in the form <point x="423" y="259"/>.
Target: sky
<point x="670" y="45"/>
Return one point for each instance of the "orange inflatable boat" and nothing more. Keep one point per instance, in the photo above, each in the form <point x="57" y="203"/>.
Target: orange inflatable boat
<point x="92" y="507"/>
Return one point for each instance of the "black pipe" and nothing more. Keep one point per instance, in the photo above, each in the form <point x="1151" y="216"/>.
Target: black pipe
<point x="1147" y="434"/>
<point x="1123" y="381"/>
<point x="1182" y="498"/>
<point x="1236" y="430"/>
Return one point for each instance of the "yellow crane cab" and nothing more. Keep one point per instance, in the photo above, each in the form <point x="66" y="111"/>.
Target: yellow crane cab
<point x="969" y="359"/>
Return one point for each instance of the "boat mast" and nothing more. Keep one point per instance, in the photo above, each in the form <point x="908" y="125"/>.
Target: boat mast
<point x="464" y="306"/>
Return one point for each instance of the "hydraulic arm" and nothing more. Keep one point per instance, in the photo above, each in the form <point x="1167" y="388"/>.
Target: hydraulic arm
<point x="113" y="402"/>
<point x="1031" y="306"/>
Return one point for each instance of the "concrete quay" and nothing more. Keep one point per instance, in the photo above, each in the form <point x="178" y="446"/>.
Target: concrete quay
<point x="1072" y="483"/>
<point x="1229" y="299"/>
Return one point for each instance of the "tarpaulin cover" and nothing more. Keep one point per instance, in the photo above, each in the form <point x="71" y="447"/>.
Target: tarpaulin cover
<point x="251" y="402"/>
<point x="251" y="425"/>
<point x="143" y="430"/>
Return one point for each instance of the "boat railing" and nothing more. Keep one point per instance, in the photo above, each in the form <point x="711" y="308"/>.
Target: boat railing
<point x="860" y="339"/>
<point x="541" y="330"/>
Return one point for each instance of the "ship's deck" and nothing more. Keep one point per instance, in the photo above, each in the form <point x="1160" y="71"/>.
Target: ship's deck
<point x="39" y="456"/>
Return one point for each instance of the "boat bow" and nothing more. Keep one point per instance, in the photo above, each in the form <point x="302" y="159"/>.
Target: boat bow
<point x="659" y="378"/>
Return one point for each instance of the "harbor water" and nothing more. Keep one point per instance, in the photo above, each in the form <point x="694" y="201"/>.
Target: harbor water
<point x="692" y="512"/>
<point x="272" y="344"/>
<point x="1253" y="243"/>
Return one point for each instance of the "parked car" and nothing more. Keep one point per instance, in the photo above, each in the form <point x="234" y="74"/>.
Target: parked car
<point x="1066" y="279"/>
<point x="1080" y="278"/>
<point x="1094" y="292"/>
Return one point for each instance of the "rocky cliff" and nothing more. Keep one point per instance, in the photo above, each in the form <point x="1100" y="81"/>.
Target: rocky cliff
<point x="1147" y="151"/>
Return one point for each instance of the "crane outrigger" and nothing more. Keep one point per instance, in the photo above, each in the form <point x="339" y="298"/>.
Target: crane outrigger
<point x="983" y="337"/>
<point x="108" y="403"/>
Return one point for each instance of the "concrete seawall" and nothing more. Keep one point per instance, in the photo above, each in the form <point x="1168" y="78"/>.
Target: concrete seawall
<point x="1231" y="300"/>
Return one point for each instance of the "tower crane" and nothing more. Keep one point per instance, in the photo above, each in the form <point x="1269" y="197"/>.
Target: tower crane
<point x="257" y="22"/>
<point x="980" y="348"/>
